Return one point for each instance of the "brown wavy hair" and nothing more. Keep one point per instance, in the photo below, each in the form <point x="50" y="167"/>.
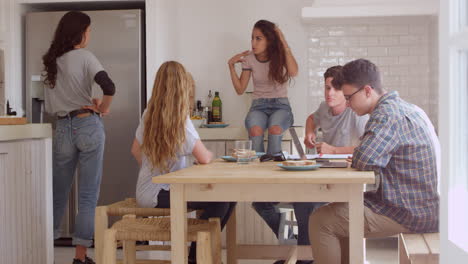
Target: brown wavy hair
<point x="68" y="34"/>
<point x="166" y="114"/>
<point x="275" y="52"/>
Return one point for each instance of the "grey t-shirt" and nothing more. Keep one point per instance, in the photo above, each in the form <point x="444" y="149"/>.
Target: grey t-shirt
<point x="76" y="70"/>
<point x="342" y="130"/>
<point x="147" y="191"/>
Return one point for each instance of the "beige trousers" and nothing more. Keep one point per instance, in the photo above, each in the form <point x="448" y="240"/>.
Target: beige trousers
<point x="329" y="231"/>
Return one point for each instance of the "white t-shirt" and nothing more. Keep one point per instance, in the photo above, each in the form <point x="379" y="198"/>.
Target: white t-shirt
<point x="343" y="130"/>
<point x="147" y="191"/>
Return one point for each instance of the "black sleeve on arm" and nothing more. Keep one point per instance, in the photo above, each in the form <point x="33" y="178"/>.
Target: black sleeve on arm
<point x="107" y="85"/>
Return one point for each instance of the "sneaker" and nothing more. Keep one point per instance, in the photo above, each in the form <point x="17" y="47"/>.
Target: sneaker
<point x="86" y="261"/>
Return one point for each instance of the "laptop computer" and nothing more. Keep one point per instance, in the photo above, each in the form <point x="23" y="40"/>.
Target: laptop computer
<point x="323" y="162"/>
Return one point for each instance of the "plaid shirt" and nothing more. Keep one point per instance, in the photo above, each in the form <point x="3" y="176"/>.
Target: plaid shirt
<point x="398" y="147"/>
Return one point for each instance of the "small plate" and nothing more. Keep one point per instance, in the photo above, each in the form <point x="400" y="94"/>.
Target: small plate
<point x="300" y="168"/>
<point x="215" y="125"/>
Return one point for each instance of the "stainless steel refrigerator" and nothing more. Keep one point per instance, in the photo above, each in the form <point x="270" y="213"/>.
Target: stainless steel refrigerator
<point x="117" y="40"/>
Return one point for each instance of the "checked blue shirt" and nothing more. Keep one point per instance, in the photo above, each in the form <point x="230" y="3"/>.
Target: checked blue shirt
<point x="397" y="146"/>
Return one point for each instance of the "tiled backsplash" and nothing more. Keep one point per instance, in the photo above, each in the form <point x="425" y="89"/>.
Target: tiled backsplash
<point x="2" y="81"/>
<point x="405" y="49"/>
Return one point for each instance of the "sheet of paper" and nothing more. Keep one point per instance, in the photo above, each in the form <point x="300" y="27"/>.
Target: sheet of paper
<point x="321" y="156"/>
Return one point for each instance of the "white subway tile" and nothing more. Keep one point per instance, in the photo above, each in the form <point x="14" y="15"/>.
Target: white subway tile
<point x="349" y="42"/>
<point x="328" y="62"/>
<point x="376" y="30"/>
<point x="368" y="41"/>
<point x="398" y="51"/>
<point x="337" y="31"/>
<point x="337" y="52"/>
<point x="389" y="40"/>
<point x="344" y="60"/>
<point x="424" y="60"/>
<point x="377" y="51"/>
<point x="329" y="41"/>
<point x="318" y="31"/>
<point x="314" y="42"/>
<point x="359" y="30"/>
<point x="386" y="61"/>
<point x="399" y="70"/>
<point x="322" y="51"/>
<point x="423" y="71"/>
<point x="419" y="50"/>
<point x="358" y="52"/>
<point x="419" y="29"/>
<point x="398" y="30"/>
<point x="408" y="60"/>
<point x="410" y="40"/>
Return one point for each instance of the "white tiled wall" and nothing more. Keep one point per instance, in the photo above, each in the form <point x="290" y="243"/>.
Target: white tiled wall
<point x="2" y="54"/>
<point x="405" y="49"/>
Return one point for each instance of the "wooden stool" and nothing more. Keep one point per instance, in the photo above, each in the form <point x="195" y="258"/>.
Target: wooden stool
<point x="418" y="248"/>
<point x="207" y="234"/>
<point x="127" y="207"/>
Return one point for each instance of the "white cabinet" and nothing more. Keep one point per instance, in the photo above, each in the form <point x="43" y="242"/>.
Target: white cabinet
<point x="26" y="217"/>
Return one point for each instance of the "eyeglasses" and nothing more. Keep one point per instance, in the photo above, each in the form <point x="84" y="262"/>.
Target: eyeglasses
<point x="348" y="97"/>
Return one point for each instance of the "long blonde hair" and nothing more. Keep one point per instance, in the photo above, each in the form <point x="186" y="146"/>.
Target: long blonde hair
<point x="166" y="115"/>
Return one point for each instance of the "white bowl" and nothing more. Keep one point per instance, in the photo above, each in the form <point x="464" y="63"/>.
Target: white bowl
<point x="197" y="122"/>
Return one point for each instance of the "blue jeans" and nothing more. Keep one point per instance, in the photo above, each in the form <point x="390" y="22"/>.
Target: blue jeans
<point x="265" y="113"/>
<point x="78" y="142"/>
<point x="271" y="215"/>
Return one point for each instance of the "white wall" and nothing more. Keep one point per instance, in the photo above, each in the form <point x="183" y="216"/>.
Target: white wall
<point x="209" y="32"/>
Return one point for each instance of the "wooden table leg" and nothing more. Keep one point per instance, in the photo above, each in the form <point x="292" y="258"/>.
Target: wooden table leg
<point x="356" y="224"/>
<point x="178" y="224"/>
<point x="231" y="239"/>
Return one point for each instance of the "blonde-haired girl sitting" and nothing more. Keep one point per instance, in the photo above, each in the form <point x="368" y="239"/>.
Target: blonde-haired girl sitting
<point x="166" y="138"/>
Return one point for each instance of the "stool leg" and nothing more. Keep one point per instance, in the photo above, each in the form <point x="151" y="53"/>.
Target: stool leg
<point x="231" y="238"/>
<point x="129" y="250"/>
<point x="129" y="247"/>
<point x="402" y="254"/>
<point x="215" y="232"/>
<point x="204" y="252"/>
<point x="100" y="225"/>
<point x="109" y="251"/>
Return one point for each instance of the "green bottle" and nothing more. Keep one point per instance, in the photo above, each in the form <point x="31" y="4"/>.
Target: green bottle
<point x="216" y="108"/>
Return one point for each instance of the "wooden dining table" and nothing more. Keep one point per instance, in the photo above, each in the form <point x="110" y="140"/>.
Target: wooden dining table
<point x="262" y="182"/>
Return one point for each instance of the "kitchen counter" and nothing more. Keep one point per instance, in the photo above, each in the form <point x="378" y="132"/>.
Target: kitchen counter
<point x="26" y="188"/>
<point x="237" y="133"/>
<point x="28" y="131"/>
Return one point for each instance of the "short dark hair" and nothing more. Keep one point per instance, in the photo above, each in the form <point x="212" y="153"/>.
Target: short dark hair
<point x="333" y="72"/>
<point x="359" y="73"/>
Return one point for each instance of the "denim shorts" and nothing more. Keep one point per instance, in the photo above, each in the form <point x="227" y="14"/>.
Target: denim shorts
<point x="268" y="112"/>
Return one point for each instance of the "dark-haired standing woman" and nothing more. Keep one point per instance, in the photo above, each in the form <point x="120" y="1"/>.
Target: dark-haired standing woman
<point x="271" y="65"/>
<point x="79" y="133"/>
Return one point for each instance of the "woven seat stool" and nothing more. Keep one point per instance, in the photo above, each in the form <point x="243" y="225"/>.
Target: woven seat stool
<point x="207" y="234"/>
<point x="128" y="206"/>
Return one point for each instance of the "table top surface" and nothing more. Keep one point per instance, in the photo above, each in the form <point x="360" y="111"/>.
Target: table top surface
<point x="255" y="172"/>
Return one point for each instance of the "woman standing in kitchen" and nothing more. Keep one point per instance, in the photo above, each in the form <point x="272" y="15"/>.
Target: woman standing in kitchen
<point x="79" y="135"/>
<point x="166" y="138"/>
<point x="271" y="65"/>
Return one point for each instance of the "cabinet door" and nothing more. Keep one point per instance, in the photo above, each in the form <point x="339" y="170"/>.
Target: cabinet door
<point x="26" y="201"/>
<point x="217" y="147"/>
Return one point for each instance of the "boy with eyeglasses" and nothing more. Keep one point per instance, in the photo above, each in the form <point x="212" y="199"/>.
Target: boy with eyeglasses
<point x="399" y="144"/>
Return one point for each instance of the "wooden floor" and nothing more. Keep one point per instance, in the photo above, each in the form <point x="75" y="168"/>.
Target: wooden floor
<point x="379" y="251"/>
